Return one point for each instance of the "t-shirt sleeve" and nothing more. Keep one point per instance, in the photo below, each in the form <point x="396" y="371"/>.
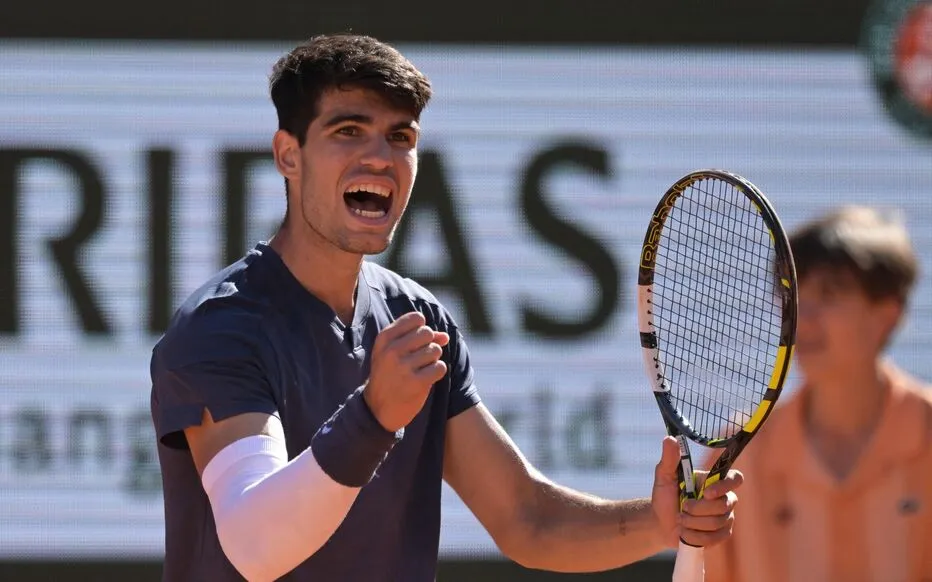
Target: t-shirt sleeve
<point x="220" y="364"/>
<point x="463" y="392"/>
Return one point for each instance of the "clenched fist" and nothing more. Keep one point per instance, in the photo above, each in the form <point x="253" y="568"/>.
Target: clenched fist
<point x="405" y="365"/>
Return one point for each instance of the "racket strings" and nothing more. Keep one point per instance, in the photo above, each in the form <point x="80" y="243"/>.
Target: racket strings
<point x="716" y="307"/>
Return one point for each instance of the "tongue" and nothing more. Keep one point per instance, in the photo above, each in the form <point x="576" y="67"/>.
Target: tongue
<point x="365" y="204"/>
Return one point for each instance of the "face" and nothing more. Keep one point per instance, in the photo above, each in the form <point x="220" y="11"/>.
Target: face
<point x="839" y="324"/>
<point x="350" y="183"/>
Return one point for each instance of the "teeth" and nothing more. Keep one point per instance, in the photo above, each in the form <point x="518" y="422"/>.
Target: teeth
<point x="373" y="188"/>
<point x="368" y="213"/>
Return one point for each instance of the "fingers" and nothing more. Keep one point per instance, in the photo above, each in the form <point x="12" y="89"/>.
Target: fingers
<point x="732" y="480"/>
<point x="413" y="340"/>
<point x="432" y="372"/>
<point x="708" y="521"/>
<point x="418" y="339"/>
<point x="402" y="326"/>
<point x="405" y="365"/>
<point x="441" y="338"/>
<point x="426" y="362"/>
<point x="706" y="531"/>
<point x="409" y="333"/>
<point x="423" y="356"/>
<point x="710" y="507"/>
<point x="415" y="346"/>
<point x="666" y="470"/>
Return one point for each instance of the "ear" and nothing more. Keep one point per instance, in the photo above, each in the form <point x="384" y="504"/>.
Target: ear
<point x="890" y="311"/>
<point x="287" y="154"/>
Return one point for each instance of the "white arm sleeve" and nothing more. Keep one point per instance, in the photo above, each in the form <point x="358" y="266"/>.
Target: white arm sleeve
<point x="271" y="515"/>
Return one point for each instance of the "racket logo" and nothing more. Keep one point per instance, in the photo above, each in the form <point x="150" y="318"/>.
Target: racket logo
<point x="649" y="250"/>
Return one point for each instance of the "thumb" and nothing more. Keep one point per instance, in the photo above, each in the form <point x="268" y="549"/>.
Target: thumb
<point x="666" y="471"/>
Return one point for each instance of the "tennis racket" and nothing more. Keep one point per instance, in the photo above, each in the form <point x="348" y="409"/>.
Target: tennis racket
<point x="717" y="322"/>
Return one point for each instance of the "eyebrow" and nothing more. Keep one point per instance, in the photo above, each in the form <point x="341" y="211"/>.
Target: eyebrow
<point x="367" y="120"/>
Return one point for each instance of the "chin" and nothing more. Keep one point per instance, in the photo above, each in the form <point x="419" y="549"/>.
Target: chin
<point x="367" y="247"/>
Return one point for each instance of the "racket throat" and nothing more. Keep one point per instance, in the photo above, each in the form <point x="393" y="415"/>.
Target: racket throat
<point x="687" y="474"/>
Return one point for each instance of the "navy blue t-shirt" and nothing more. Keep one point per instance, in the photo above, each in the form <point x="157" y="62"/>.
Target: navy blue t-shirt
<point x="252" y="339"/>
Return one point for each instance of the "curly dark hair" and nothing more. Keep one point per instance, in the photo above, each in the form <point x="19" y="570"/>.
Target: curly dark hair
<point x="342" y="61"/>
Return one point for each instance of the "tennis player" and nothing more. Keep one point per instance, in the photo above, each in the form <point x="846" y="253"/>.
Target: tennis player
<point x="840" y="478"/>
<point x="308" y="404"/>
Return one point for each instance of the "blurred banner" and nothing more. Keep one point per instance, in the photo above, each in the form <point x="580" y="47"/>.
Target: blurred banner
<point x="129" y="173"/>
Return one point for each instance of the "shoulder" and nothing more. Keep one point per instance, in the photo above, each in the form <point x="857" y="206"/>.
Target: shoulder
<point x="915" y="393"/>
<point x="917" y="396"/>
<point x="393" y="286"/>
<point x="223" y="316"/>
<point x="403" y="293"/>
<point x="916" y="389"/>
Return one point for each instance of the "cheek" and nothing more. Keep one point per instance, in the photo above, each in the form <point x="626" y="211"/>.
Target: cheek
<point x="848" y="331"/>
<point x="319" y="182"/>
<point x="406" y="173"/>
<point x="407" y="167"/>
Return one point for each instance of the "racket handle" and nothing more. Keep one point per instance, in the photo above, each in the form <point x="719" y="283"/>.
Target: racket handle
<point x="689" y="565"/>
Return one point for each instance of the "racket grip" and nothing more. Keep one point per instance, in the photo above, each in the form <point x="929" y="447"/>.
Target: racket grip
<point x="689" y="565"/>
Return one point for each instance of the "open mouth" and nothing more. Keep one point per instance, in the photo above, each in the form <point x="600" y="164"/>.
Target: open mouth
<point x="368" y="200"/>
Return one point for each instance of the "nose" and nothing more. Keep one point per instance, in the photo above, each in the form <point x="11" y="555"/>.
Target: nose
<point x="809" y="309"/>
<point x="378" y="154"/>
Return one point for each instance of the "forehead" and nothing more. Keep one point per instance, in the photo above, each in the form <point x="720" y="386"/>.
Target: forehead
<point x="360" y="101"/>
<point x="837" y="278"/>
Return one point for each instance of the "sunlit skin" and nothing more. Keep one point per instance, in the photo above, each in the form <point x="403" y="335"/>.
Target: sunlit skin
<point x="356" y="138"/>
<point x="841" y="334"/>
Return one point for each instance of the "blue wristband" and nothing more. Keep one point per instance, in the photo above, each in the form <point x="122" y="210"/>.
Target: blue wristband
<point x="351" y="445"/>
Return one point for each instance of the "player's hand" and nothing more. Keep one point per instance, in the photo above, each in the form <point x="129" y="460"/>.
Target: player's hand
<point x="703" y="522"/>
<point x="405" y="365"/>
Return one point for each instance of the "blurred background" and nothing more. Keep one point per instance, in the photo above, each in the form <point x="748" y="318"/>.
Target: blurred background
<point x="135" y="161"/>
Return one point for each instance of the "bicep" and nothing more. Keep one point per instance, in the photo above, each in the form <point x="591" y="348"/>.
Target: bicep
<point x="209" y="438"/>
<point x="488" y="471"/>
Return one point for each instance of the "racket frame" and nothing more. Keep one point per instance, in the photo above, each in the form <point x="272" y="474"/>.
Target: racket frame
<point x="676" y="425"/>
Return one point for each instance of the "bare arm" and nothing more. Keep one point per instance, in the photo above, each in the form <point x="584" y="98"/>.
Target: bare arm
<point x="209" y="438"/>
<point x="534" y="521"/>
<point x="542" y="525"/>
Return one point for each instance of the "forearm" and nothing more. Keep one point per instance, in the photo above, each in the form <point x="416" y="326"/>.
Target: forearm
<point x="570" y="531"/>
<point x="272" y="514"/>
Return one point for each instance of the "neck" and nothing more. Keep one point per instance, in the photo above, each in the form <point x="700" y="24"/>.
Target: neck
<point x="846" y="404"/>
<point x="325" y="271"/>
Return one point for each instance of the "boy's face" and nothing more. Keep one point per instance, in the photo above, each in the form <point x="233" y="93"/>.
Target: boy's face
<point x="839" y="324"/>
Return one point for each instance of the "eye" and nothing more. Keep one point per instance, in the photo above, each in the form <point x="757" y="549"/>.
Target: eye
<point x="350" y="130"/>
<point x="403" y="137"/>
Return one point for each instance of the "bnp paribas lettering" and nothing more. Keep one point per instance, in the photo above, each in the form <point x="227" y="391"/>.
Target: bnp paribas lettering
<point x="561" y="432"/>
<point x="433" y="193"/>
<point x="80" y="445"/>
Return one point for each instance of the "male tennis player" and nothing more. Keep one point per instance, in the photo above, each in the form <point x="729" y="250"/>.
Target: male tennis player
<point x="840" y="478"/>
<point x="308" y="403"/>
